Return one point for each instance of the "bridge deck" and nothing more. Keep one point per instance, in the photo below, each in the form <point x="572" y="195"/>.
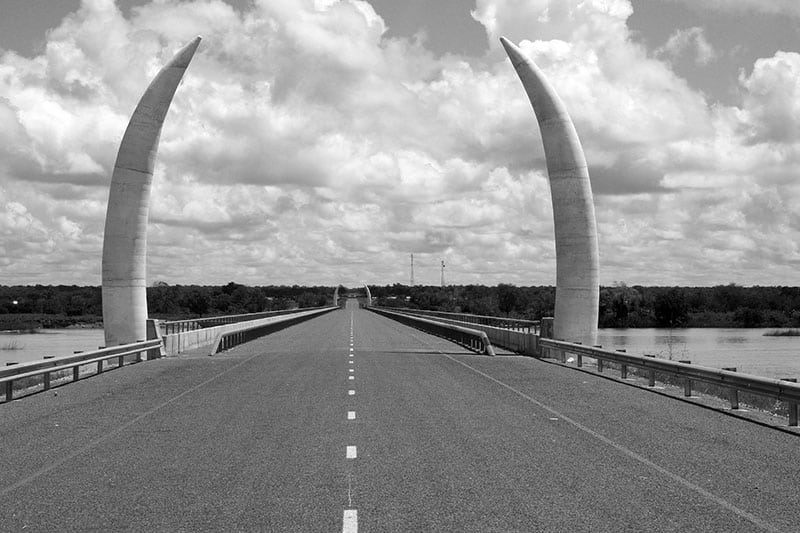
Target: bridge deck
<point x="256" y="439"/>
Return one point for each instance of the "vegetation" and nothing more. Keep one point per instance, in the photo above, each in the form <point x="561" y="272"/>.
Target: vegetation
<point x="28" y="308"/>
<point x="783" y="333"/>
<point x="12" y="345"/>
<point x="620" y="305"/>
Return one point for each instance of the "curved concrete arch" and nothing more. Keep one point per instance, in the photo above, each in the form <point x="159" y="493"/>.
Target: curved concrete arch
<point x="577" y="257"/>
<point x="125" y="239"/>
<point x="369" y="295"/>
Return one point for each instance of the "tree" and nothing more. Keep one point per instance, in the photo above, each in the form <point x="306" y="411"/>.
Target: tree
<point x="506" y="298"/>
<point x="670" y="308"/>
<point x="198" y="302"/>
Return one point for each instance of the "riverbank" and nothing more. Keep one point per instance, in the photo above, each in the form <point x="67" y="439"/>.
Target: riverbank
<point x="35" y="322"/>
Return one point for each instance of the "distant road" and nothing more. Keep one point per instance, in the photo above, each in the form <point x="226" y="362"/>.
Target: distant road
<point x="267" y="437"/>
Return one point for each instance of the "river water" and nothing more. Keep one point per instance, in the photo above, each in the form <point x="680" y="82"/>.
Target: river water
<point x="59" y="342"/>
<point x="746" y="349"/>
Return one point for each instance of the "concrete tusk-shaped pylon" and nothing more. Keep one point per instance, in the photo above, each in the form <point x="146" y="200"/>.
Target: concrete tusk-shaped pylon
<point x="369" y="295"/>
<point x="577" y="258"/>
<point x="125" y="239"/>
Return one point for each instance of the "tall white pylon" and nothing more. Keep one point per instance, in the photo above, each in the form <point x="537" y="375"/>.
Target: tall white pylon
<point x="577" y="257"/>
<point x="125" y="239"/>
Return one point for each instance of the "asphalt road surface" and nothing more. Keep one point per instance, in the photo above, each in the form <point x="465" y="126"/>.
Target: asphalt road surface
<point x="269" y="437"/>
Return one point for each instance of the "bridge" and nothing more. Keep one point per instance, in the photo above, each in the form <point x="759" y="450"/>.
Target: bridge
<point x="354" y="421"/>
<point x="336" y="419"/>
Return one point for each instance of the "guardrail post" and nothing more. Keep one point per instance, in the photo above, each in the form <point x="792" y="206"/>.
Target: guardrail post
<point x="623" y="368"/>
<point x="792" y="406"/>
<point x="9" y="390"/>
<point x="46" y="379"/>
<point x="651" y="375"/>
<point x="733" y="394"/>
<point x="599" y="361"/>
<point x="546" y="327"/>
<point x="687" y="382"/>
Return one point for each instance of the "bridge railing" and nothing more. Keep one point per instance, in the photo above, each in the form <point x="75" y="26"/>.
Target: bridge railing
<point x="231" y="335"/>
<point x="472" y="338"/>
<point x="180" y="326"/>
<point x="518" y="339"/>
<point x="28" y="373"/>
<point x="513" y="324"/>
<point x="734" y="382"/>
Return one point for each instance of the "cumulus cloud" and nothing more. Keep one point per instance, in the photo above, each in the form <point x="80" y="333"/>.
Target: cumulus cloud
<point x="771" y="110"/>
<point x="689" y="41"/>
<point x="306" y="146"/>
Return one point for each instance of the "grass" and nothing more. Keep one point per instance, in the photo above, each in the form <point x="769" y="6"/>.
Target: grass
<point x="12" y="345"/>
<point x="782" y="333"/>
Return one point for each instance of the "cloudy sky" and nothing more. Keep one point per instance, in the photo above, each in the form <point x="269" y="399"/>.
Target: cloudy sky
<point x="315" y="142"/>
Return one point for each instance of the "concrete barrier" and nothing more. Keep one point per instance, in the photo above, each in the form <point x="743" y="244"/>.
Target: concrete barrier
<point x="177" y="343"/>
<point x="514" y="340"/>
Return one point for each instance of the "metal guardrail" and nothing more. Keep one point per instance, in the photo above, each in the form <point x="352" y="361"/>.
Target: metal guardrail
<point x="181" y="326"/>
<point x="514" y="324"/>
<point x="471" y="338"/>
<point x="229" y="339"/>
<point x="782" y="390"/>
<point x="45" y="368"/>
<point x="517" y="340"/>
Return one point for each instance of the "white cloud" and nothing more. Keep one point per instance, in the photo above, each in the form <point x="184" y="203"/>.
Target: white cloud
<point x="771" y="108"/>
<point x="689" y="41"/>
<point x="304" y="146"/>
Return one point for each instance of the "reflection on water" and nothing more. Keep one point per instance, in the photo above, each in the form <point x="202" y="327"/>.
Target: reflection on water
<point x="733" y="339"/>
<point x="746" y="349"/>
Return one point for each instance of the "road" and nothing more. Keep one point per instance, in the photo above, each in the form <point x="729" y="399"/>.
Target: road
<point x="268" y="437"/>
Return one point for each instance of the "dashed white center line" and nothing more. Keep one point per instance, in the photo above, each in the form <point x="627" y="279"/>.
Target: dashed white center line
<point x="350" y="521"/>
<point x="350" y="516"/>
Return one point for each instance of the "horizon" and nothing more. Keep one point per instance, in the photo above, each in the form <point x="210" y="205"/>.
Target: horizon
<point x="410" y="134"/>
<point x="160" y="283"/>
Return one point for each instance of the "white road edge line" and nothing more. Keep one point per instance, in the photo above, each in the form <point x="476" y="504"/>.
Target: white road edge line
<point x="351" y="453"/>
<point x="350" y="521"/>
<point x="351" y="415"/>
<point x="351" y="392"/>
<point x="630" y="453"/>
<point x="116" y="431"/>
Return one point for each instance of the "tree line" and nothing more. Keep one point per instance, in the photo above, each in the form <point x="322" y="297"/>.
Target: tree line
<point x="620" y="305"/>
<point x="33" y="306"/>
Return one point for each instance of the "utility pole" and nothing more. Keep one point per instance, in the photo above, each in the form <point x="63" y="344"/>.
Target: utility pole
<point x="442" y="272"/>
<point x="412" y="269"/>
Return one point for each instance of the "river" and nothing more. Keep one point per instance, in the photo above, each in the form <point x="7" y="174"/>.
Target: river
<point x="746" y="349"/>
<point x="25" y="347"/>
